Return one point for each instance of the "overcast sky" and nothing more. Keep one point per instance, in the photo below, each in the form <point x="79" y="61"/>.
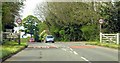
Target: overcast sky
<point x="29" y="7"/>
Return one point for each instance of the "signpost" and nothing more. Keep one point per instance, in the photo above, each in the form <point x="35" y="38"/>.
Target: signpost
<point x="101" y="21"/>
<point x="19" y="21"/>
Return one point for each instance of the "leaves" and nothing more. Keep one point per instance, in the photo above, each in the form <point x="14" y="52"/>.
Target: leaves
<point x="74" y="21"/>
<point x="9" y="11"/>
<point x="30" y="24"/>
<point x="110" y="14"/>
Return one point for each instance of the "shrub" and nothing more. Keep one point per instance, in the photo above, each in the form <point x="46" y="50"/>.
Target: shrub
<point x="90" y="32"/>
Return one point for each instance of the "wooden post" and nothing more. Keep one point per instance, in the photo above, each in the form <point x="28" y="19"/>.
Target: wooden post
<point x="118" y="38"/>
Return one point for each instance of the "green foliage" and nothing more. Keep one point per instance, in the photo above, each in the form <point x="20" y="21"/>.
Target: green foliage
<point x="30" y="24"/>
<point x="68" y="17"/>
<point x="42" y="37"/>
<point x="9" y="10"/>
<point x="110" y="14"/>
<point x="42" y="26"/>
<point x="62" y="32"/>
<point x="25" y="40"/>
<point x="45" y="35"/>
<point x="90" y="32"/>
<point x="29" y="17"/>
<point x="75" y="21"/>
<point x="0" y="23"/>
<point x="11" y="47"/>
<point x="36" y="36"/>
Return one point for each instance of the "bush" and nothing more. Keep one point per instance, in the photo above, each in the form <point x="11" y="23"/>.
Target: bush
<point x="90" y="32"/>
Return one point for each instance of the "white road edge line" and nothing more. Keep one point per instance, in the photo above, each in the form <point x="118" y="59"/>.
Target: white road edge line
<point x="75" y="52"/>
<point x="85" y="59"/>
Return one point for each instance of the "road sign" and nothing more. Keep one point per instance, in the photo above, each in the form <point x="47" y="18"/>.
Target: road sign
<point x="101" y="21"/>
<point x="19" y="21"/>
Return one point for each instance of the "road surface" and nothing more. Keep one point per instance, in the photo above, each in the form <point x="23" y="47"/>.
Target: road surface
<point x="60" y="51"/>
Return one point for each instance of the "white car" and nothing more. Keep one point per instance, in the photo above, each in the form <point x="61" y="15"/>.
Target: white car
<point x="49" y="38"/>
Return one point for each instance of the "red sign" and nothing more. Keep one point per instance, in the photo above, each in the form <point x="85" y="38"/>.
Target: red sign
<point x="19" y="20"/>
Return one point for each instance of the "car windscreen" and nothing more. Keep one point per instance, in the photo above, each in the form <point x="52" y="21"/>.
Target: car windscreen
<point x="49" y="36"/>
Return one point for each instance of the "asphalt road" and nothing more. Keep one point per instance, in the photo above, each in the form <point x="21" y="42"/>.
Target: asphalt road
<point x="73" y="51"/>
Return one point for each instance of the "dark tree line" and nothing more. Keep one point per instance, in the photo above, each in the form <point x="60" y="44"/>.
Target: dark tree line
<point x="9" y="11"/>
<point x="74" y="21"/>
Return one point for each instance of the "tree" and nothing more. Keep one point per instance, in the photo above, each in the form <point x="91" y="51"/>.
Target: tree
<point x="0" y="23"/>
<point x="68" y="16"/>
<point x="110" y="13"/>
<point x="30" y="24"/>
<point x="74" y="17"/>
<point x="42" y="26"/>
<point x="9" y="11"/>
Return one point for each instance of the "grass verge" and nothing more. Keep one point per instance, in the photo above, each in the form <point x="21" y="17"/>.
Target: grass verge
<point x="109" y="45"/>
<point x="11" y="47"/>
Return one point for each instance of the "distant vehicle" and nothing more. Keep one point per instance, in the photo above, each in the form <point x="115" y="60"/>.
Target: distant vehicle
<point x="31" y="40"/>
<point x="49" y="38"/>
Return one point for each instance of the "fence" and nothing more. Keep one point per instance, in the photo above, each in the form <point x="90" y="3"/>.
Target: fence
<point x="110" y="38"/>
<point x="11" y="35"/>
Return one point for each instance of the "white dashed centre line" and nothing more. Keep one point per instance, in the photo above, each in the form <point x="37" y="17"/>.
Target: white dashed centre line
<point x="71" y="49"/>
<point x="75" y="53"/>
<point x="64" y="49"/>
<point x="85" y="59"/>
